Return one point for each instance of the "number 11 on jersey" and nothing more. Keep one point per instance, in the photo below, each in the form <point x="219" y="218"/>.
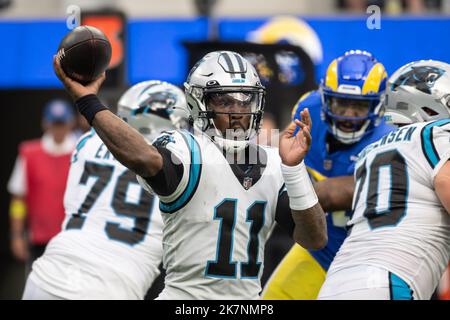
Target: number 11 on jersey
<point x="223" y="266"/>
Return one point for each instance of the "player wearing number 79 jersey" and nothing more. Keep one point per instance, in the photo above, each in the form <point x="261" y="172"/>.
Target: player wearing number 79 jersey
<point x="399" y="242"/>
<point x="110" y="246"/>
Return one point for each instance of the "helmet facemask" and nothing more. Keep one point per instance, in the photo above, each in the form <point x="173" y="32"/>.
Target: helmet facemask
<point x="222" y="113"/>
<point x="349" y="118"/>
<point x="236" y="115"/>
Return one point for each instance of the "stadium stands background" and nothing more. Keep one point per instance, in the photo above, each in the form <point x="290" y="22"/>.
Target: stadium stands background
<point x="31" y="30"/>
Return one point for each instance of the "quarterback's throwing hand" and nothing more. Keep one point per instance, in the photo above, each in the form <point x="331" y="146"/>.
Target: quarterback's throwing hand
<point x="76" y="89"/>
<point x="293" y="149"/>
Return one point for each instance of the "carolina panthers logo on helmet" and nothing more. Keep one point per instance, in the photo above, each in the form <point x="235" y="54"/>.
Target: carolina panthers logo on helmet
<point x="422" y="78"/>
<point x="159" y="103"/>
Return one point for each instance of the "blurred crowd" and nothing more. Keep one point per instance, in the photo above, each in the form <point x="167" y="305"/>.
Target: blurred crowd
<point x="39" y="176"/>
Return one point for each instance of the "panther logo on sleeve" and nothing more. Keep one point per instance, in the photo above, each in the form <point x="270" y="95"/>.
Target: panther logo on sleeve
<point x="163" y="140"/>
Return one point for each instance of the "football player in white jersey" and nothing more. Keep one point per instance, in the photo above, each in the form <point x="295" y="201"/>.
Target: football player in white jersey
<point x="399" y="241"/>
<point x="110" y="246"/>
<point x="219" y="193"/>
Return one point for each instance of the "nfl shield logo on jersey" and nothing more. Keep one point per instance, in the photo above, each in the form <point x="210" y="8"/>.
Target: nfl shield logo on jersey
<point x="327" y="164"/>
<point x="247" y="183"/>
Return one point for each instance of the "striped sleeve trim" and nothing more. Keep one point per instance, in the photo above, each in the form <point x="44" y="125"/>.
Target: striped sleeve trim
<point x="195" y="170"/>
<point x="428" y="147"/>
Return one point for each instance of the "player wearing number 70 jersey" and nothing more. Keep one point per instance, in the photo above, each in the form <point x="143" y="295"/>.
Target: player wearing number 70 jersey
<point x="399" y="242"/>
<point x="220" y="194"/>
<point x="110" y="246"/>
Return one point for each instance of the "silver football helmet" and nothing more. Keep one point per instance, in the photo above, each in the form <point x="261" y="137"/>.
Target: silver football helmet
<point x="417" y="92"/>
<point x="225" y="77"/>
<point x="152" y="107"/>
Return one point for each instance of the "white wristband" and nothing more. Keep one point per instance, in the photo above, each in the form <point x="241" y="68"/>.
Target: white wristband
<point x="299" y="187"/>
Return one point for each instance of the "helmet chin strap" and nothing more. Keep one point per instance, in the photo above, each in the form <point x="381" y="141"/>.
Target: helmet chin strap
<point x="230" y="146"/>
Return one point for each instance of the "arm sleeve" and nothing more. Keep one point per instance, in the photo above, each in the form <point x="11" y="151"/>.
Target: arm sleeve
<point x="177" y="180"/>
<point x="283" y="215"/>
<point x="166" y="181"/>
<point x="17" y="183"/>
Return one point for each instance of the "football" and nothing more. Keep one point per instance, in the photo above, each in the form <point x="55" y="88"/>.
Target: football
<point x="84" y="53"/>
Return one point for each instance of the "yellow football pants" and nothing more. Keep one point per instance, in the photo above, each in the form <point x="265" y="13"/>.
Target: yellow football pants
<point x="298" y="277"/>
